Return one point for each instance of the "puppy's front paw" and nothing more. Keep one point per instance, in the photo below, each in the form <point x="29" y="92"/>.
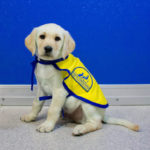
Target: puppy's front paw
<point x="47" y="126"/>
<point x="27" y="118"/>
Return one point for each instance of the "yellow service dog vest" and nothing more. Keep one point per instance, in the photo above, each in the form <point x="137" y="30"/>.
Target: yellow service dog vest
<point x="79" y="82"/>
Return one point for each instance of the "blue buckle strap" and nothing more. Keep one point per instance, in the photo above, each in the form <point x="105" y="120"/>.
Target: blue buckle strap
<point x="43" y="98"/>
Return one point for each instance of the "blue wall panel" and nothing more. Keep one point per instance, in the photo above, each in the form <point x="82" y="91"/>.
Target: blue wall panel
<point x="112" y="37"/>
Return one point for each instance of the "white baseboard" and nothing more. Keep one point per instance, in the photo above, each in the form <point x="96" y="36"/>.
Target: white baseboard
<point x="124" y="94"/>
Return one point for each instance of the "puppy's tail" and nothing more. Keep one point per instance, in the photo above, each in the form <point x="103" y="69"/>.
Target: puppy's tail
<point x="122" y="122"/>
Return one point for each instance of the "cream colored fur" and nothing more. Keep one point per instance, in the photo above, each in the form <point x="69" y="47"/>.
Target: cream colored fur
<point x="50" y="83"/>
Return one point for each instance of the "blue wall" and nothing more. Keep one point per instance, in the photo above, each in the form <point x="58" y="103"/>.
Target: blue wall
<point x="112" y="37"/>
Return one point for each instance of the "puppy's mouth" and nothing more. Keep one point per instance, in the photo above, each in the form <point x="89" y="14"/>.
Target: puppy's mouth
<point x="48" y="54"/>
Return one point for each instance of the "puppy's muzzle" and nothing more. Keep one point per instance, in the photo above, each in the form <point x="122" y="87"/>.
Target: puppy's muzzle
<point x="48" y="49"/>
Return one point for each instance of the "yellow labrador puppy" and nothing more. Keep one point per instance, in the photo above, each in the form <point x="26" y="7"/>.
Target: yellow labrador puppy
<point x="51" y="42"/>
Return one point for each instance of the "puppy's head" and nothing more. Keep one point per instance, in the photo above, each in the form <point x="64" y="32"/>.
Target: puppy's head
<point x="50" y="42"/>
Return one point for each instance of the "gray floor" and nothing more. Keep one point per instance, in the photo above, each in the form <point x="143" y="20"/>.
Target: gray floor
<point x="17" y="135"/>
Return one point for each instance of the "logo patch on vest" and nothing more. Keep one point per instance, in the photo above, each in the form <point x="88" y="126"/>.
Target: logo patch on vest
<point x="83" y="77"/>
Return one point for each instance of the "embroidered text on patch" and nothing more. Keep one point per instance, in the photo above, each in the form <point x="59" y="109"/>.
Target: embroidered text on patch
<point x="83" y="77"/>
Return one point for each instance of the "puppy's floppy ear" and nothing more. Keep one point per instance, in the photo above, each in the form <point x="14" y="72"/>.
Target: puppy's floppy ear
<point x="30" y="41"/>
<point x="69" y="44"/>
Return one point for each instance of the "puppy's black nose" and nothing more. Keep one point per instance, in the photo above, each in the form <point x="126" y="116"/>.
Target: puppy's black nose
<point x="48" y="49"/>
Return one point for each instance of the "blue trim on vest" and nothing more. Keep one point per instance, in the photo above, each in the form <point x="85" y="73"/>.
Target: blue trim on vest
<point x="62" y="70"/>
<point x="72" y="94"/>
<point x="84" y="99"/>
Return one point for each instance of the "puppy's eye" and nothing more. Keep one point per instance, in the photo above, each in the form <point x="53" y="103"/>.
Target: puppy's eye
<point x="57" y="38"/>
<point x="42" y="36"/>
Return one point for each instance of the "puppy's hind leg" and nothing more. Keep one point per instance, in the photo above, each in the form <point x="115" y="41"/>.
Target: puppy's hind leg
<point x="36" y="108"/>
<point x="92" y="121"/>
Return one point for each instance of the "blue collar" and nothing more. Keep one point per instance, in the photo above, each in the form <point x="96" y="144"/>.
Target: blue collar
<point x="49" y="62"/>
<point x="44" y="62"/>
